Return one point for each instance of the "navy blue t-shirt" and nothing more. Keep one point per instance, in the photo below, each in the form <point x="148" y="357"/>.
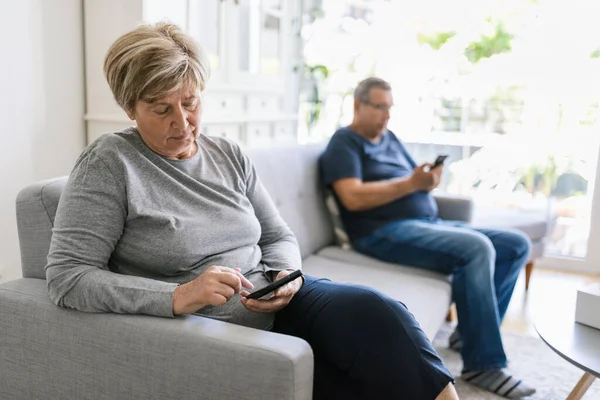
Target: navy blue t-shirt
<point x="349" y="155"/>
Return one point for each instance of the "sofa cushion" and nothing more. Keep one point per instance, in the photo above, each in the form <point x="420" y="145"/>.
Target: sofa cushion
<point x="427" y="296"/>
<point x="339" y="232"/>
<point x="354" y="257"/>
<point x="533" y="223"/>
<point x="291" y="176"/>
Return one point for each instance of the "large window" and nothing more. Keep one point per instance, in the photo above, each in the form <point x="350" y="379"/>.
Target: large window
<point x="509" y="89"/>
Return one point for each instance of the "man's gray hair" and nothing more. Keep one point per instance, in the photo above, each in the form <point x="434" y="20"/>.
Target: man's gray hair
<point x="361" y="93"/>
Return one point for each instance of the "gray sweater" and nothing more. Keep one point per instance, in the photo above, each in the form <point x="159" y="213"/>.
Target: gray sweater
<point x="132" y="225"/>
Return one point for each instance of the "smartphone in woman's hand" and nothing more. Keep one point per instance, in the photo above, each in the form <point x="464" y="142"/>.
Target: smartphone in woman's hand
<point x="275" y="285"/>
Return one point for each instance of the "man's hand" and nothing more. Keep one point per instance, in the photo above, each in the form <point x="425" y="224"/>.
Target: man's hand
<point x="216" y="286"/>
<point x="437" y="176"/>
<point x="425" y="179"/>
<point x="281" y="296"/>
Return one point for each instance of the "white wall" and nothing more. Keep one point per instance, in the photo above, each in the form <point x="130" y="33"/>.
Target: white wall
<point x="41" y="103"/>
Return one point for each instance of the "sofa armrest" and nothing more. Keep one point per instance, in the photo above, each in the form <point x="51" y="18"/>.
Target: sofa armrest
<point x="54" y="353"/>
<point x="454" y="208"/>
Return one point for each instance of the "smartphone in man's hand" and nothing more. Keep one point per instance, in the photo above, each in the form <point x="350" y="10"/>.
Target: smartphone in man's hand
<point x="439" y="161"/>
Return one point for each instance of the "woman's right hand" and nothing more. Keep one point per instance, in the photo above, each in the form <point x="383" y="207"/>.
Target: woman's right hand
<point x="214" y="287"/>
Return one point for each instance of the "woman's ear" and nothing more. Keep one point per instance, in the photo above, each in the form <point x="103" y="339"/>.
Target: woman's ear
<point x="131" y="113"/>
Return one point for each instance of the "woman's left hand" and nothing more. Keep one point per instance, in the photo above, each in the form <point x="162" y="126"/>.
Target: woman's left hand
<point x="281" y="296"/>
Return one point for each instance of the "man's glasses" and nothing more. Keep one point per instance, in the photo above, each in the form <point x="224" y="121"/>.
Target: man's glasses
<point x="379" y="107"/>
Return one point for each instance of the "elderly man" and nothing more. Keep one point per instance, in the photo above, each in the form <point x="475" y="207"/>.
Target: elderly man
<point x="388" y="212"/>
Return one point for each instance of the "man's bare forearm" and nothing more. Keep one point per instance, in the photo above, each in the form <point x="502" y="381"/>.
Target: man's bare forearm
<point x="368" y="195"/>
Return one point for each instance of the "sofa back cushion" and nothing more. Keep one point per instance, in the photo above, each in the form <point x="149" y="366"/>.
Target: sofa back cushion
<point x="291" y="176"/>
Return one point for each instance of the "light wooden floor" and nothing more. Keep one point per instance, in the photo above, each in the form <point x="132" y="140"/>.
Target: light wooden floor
<point x="538" y="300"/>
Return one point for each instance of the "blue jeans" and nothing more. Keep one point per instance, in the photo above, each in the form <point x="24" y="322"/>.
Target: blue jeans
<point x="484" y="264"/>
<point x="365" y="344"/>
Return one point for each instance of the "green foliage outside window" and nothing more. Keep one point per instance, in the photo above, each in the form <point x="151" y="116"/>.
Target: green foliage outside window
<point x="497" y="43"/>
<point x="435" y="40"/>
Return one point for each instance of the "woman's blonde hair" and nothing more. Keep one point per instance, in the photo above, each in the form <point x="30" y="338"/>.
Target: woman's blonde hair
<point x="153" y="61"/>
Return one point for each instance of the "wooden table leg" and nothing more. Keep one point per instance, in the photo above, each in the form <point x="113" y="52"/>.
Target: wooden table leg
<point x="582" y="386"/>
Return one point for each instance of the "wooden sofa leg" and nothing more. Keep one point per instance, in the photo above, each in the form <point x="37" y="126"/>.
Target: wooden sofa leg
<point x="450" y="316"/>
<point x="528" y="270"/>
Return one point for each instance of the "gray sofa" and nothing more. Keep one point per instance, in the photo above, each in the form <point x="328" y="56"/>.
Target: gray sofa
<point x="54" y="353"/>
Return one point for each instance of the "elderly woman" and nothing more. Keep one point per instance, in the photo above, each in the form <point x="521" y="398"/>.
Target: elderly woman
<point x="161" y="220"/>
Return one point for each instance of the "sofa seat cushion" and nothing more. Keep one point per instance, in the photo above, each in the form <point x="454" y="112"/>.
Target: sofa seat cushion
<point x="354" y="257"/>
<point x="427" y="297"/>
<point x="533" y="223"/>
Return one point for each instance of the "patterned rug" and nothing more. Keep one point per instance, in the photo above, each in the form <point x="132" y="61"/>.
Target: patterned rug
<point x="531" y="359"/>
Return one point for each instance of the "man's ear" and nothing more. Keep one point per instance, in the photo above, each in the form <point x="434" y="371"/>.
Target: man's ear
<point x="356" y="104"/>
